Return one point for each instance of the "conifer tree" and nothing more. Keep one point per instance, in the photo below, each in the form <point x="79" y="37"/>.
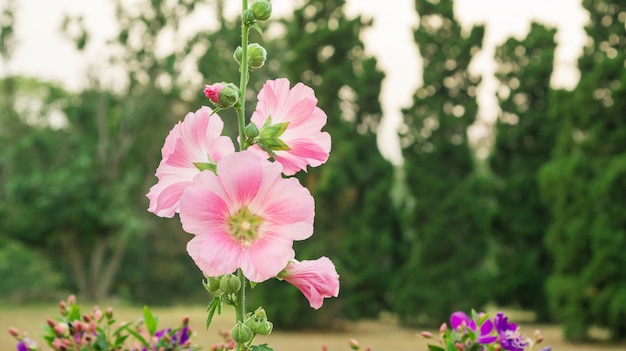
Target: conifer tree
<point x="524" y="138"/>
<point x="584" y="184"/>
<point x="445" y="231"/>
<point x="355" y="224"/>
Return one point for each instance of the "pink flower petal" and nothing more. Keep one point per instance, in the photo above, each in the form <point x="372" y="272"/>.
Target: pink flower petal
<point x="309" y="146"/>
<point x="316" y="279"/>
<point x="197" y="139"/>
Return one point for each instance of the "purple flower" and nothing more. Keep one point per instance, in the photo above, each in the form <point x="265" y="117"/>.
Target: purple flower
<point x="510" y="338"/>
<point x="26" y="344"/>
<point x="460" y="319"/>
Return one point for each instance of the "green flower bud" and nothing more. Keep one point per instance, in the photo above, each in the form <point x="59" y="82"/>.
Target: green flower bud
<point x="212" y="285"/>
<point x="256" y="55"/>
<point x="259" y="326"/>
<point x="260" y="314"/>
<point x="222" y="95"/>
<point x="237" y="55"/>
<point x="248" y="16"/>
<point x="262" y="9"/>
<point x="251" y="131"/>
<point x="241" y="334"/>
<point x="230" y="284"/>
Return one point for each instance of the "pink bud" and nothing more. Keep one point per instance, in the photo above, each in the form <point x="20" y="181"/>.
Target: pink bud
<point x="354" y="345"/>
<point x="97" y="314"/>
<point x="71" y="299"/>
<point x="59" y="330"/>
<point x="57" y="344"/>
<point x="185" y="320"/>
<point x="14" y="332"/>
<point x="212" y="92"/>
<point x="324" y="348"/>
<point x="443" y="328"/>
<point x="427" y="335"/>
<point x="459" y="346"/>
<point x="109" y="312"/>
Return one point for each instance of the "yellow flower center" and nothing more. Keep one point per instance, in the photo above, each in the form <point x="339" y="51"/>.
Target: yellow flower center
<point x="244" y="226"/>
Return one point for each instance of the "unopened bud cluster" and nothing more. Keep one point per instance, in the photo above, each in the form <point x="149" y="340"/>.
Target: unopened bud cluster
<point x="226" y="284"/>
<point x="261" y="10"/>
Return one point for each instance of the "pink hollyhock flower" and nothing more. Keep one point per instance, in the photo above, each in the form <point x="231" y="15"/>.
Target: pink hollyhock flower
<point x="316" y="279"/>
<point x="247" y="216"/>
<point x="193" y="145"/>
<point x="302" y="143"/>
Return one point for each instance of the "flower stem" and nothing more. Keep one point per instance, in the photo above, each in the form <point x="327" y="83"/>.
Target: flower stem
<point x="240" y="308"/>
<point x="243" y="82"/>
<point x="241" y="120"/>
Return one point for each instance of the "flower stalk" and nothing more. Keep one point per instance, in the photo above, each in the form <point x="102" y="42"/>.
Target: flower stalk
<point x="243" y="81"/>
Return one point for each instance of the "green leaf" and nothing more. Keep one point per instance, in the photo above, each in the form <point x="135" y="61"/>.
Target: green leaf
<point x="101" y="343"/>
<point x="435" y="348"/>
<point x="263" y="347"/>
<point x="151" y="322"/>
<point x="134" y="333"/>
<point x="214" y="305"/>
<point x="74" y="313"/>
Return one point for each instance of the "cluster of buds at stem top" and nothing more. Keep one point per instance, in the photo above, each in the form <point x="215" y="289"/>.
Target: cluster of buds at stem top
<point x="256" y="55"/>
<point x="258" y="323"/>
<point x="222" y="95"/>
<point x="225" y="284"/>
<point x="261" y="10"/>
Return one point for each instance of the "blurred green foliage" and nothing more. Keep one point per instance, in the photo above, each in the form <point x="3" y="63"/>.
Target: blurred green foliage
<point x="584" y="184"/>
<point x="445" y="242"/>
<point x="524" y="138"/>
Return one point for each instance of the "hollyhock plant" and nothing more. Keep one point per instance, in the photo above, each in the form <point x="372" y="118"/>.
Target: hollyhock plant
<point x="316" y="279"/>
<point x="289" y="124"/>
<point x="193" y="145"/>
<point x="247" y="216"/>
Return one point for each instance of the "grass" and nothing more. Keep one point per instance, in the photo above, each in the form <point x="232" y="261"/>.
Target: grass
<point x="381" y="336"/>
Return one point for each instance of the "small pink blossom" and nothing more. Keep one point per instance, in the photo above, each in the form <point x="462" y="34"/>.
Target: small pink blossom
<point x="193" y="144"/>
<point x="247" y="216"/>
<point x="306" y="144"/>
<point x="316" y="279"/>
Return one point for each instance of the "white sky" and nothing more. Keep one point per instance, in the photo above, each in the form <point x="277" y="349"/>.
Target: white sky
<point x="44" y="53"/>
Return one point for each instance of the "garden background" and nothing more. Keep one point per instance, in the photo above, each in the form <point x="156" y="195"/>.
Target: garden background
<point x="528" y="216"/>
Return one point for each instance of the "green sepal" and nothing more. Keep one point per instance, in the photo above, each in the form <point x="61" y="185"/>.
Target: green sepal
<point x="435" y="348"/>
<point x="206" y="166"/>
<point x="269" y="136"/>
<point x="256" y="27"/>
<point x="264" y="347"/>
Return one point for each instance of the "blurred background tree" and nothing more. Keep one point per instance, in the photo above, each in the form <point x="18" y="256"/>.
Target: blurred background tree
<point x="354" y="222"/>
<point x="524" y="138"/>
<point x="446" y="231"/>
<point x="584" y="184"/>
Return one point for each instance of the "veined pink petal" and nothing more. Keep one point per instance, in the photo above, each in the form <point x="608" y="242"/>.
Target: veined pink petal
<point x="309" y="146"/>
<point x="247" y="214"/>
<point x="241" y="176"/>
<point x="267" y="258"/>
<point x="197" y="139"/>
<point x="316" y="279"/>
<point x="207" y="252"/>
